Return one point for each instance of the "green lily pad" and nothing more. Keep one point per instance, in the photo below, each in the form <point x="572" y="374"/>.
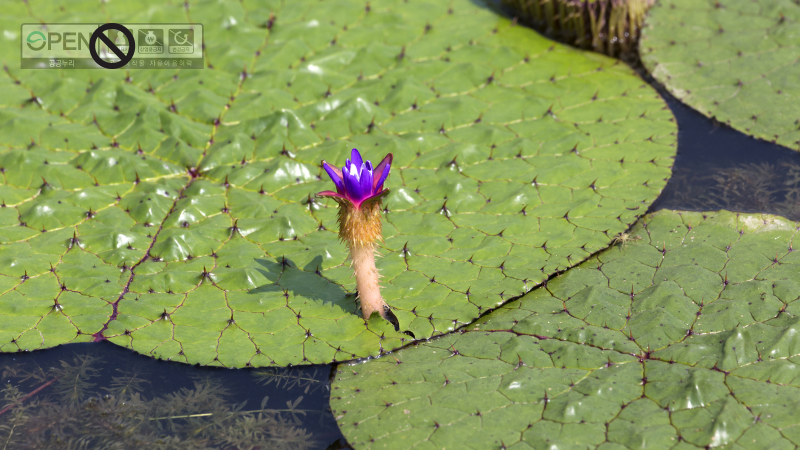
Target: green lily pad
<point x="685" y="336"/>
<point x="188" y="196"/>
<point x="735" y="61"/>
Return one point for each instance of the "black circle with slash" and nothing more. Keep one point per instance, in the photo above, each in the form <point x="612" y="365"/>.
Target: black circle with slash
<point x="123" y="58"/>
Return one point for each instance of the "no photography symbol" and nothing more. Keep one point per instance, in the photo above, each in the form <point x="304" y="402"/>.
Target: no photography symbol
<point x="123" y="58"/>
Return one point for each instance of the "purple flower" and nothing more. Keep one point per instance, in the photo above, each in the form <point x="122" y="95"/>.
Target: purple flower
<point x="357" y="181"/>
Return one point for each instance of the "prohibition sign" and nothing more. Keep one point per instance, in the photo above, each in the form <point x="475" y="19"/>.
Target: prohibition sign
<point x="123" y="58"/>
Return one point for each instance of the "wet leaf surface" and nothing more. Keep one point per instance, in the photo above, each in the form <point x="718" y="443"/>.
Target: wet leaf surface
<point x="734" y="60"/>
<point x="171" y="212"/>
<point x="682" y="337"/>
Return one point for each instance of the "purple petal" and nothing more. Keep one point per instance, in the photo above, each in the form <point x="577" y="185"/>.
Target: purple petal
<point x="365" y="179"/>
<point x="381" y="172"/>
<point x="330" y="194"/>
<point x="345" y="171"/>
<point x="352" y="184"/>
<point x="355" y="157"/>
<point x="336" y="175"/>
<point x="334" y="195"/>
<point x="368" y="172"/>
<point x="374" y="198"/>
<point x="379" y="181"/>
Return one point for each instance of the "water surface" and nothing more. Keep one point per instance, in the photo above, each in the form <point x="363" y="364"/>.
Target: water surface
<point x="99" y="395"/>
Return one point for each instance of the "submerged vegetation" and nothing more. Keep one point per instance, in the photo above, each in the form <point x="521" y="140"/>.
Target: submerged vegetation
<point x="284" y="379"/>
<point x="752" y="187"/>
<point x="606" y="26"/>
<point x="67" y="407"/>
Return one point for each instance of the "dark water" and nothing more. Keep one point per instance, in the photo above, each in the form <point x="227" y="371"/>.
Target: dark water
<point x="105" y="395"/>
<point x="718" y="167"/>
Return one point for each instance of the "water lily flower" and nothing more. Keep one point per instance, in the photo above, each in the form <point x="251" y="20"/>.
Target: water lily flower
<point x="359" y="192"/>
<point x="358" y="182"/>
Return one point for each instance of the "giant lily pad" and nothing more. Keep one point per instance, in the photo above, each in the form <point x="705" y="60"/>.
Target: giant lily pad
<point x="177" y="216"/>
<point x="732" y="60"/>
<point x="685" y="338"/>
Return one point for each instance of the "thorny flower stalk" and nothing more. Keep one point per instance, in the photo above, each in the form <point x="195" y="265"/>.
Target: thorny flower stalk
<point x="359" y="192"/>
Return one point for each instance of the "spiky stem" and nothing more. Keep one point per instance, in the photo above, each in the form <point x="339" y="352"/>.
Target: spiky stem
<point x="369" y="291"/>
<point x="359" y="228"/>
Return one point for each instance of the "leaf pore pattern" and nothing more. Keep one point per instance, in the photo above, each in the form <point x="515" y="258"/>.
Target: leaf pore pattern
<point x="735" y="61"/>
<point x="685" y="339"/>
<point x="171" y="212"/>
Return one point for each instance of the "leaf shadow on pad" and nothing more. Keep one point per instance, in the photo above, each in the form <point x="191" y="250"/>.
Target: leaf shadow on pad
<point x="301" y="285"/>
<point x="332" y="328"/>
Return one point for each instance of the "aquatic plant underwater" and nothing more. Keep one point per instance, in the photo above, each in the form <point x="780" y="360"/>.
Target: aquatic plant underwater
<point x="81" y="414"/>
<point x="534" y="299"/>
